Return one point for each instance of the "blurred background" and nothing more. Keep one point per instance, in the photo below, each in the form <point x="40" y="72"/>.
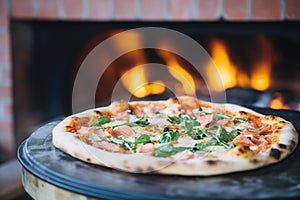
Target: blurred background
<point x="255" y="45"/>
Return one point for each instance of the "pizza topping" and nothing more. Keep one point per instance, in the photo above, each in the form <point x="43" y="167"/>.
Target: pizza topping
<point x="169" y="136"/>
<point x="123" y="130"/>
<point x="100" y="121"/>
<point x="146" y="148"/>
<point x="167" y="150"/>
<point x="164" y="130"/>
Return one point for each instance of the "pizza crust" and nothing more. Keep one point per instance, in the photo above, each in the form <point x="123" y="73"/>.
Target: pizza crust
<point x="143" y="163"/>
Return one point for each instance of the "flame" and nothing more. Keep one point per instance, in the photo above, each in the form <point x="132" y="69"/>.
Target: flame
<point x="136" y="82"/>
<point x="261" y="72"/>
<point x="277" y="102"/>
<point x="222" y="73"/>
<point x="225" y="68"/>
<point x="179" y="73"/>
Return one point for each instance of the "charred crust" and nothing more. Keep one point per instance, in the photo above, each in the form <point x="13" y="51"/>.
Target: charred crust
<point x="292" y="145"/>
<point x="272" y="117"/>
<point x="282" y="146"/>
<point x="275" y="153"/>
<point x="150" y="169"/>
<point x="243" y="149"/>
<point x="97" y="113"/>
<point x="211" y="162"/>
<point x="241" y="112"/>
<point x="88" y="159"/>
<point x="254" y="161"/>
<point x="138" y="170"/>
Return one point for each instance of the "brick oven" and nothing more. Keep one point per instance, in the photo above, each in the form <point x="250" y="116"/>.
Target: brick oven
<point x="14" y="89"/>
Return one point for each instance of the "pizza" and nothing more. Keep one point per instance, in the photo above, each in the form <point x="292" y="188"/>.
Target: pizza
<point x="177" y="136"/>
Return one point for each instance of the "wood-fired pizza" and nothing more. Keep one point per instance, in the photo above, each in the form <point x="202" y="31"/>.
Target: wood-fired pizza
<point x="178" y="136"/>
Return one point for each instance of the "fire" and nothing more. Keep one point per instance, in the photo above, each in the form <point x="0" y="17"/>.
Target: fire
<point x="222" y="73"/>
<point x="135" y="80"/>
<point x="261" y="72"/>
<point x="179" y="73"/>
<point x="277" y="102"/>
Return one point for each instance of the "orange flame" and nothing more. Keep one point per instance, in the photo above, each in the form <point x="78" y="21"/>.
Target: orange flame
<point x="277" y="102"/>
<point x="222" y="73"/>
<point x="221" y="66"/>
<point x="136" y="80"/>
<point x="179" y="73"/>
<point x="261" y="72"/>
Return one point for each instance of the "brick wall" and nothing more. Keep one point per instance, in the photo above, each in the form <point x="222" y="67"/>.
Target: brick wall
<point x="122" y="10"/>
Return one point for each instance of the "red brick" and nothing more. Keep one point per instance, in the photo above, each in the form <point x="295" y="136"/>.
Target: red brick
<point x="7" y="146"/>
<point x="5" y="91"/>
<point x="22" y="9"/>
<point x="6" y="127"/>
<point x="180" y="10"/>
<point x="5" y="75"/>
<point x="293" y="9"/>
<point x="8" y="110"/>
<point x="4" y="56"/>
<point x="47" y="9"/>
<point x="125" y="10"/>
<point x="209" y="10"/>
<point x="236" y="10"/>
<point x="4" y="39"/>
<point x="3" y="14"/>
<point x="73" y="9"/>
<point x="100" y="9"/>
<point x="266" y="9"/>
<point x="153" y="10"/>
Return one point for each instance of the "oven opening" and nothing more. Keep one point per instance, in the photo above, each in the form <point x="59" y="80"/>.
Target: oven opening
<point x="257" y="62"/>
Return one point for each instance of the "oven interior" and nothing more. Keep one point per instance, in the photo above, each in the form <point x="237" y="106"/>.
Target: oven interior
<point x="259" y="64"/>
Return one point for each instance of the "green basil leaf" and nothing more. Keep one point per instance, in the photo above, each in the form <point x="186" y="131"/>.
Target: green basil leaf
<point x="169" y="136"/>
<point x="142" y="139"/>
<point x="100" y="121"/>
<point x="186" y="121"/>
<point x="237" y="119"/>
<point x="168" y="150"/>
<point x="225" y="137"/>
<point x="201" y="146"/>
<point x="201" y="132"/>
<point x="141" y="122"/>
<point x="221" y="116"/>
<point x="174" y="119"/>
<point x="123" y="143"/>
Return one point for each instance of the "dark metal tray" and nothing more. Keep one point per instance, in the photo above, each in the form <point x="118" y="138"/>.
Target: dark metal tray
<point x="39" y="157"/>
